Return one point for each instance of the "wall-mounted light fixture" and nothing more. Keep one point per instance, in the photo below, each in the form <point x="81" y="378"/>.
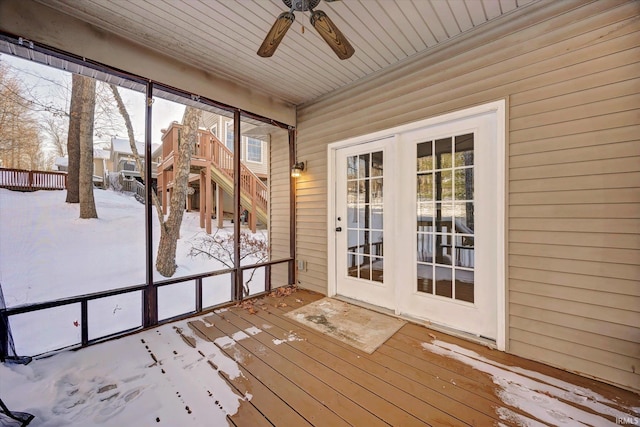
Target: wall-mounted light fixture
<point x="297" y="169"/>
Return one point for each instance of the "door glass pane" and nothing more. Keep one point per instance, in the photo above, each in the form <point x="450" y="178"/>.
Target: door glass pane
<point x="425" y="278"/>
<point x="464" y="150"/>
<point x="464" y="285"/>
<point x="444" y="185"/>
<point x="444" y="150"/>
<point x="443" y="281"/>
<point x="376" y="163"/>
<point x="352" y="167"/>
<point x="425" y="187"/>
<point x="425" y="247"/>
<point x="445" y="217"/>
<point x="463" y="185"/>
<point x="365" y="216"/>
<point x="365" y="268"/>
<point x="377" y="269"/>
<point x="376" y="243"/>
<point x="425" y="156"/>
<point x="363" y="166"/>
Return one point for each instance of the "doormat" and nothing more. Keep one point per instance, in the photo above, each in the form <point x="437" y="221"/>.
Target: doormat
<point x="363" y="329"/>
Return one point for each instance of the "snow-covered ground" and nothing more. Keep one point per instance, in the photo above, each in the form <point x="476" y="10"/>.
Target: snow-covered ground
<point x="47" y="253"/>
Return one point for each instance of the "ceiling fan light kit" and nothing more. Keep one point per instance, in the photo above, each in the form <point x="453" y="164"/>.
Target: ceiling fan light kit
<point x="319" y="20"/>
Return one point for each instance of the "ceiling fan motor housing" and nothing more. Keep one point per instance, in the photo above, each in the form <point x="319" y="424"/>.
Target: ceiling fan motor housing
<point x="301" y="5"/>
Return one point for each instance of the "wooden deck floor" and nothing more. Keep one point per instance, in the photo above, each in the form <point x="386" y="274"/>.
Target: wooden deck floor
<point x="299" y="377"/>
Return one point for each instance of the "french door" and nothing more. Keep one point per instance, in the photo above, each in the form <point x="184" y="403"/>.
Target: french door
<point x="418" y="222"/>
<point x="363" y="222"/>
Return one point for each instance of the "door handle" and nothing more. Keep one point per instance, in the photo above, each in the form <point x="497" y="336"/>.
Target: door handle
<point x="338" y="228"/>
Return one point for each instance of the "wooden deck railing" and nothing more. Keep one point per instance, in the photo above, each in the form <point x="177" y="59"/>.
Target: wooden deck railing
<point x="211" y="148"/>
<point x="133" y="186"/>
<point x="24" y="180"/>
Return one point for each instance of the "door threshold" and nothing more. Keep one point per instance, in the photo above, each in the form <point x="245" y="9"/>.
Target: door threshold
<point x="487" y="342"/>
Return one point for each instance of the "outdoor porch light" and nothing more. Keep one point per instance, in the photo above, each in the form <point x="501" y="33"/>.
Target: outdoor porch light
<point x="297" y="169"/>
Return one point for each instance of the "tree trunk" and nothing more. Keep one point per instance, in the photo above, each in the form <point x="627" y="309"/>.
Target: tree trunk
<point x="170" y="230"/>
<point x="87" y="202"/>
<point x="73" y="140"/>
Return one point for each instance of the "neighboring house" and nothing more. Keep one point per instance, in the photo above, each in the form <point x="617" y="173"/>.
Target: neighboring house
<point x="542" y="105"/>
<point x="254" y="145"/>
<point x="101" y="165"/>
<point x="122" y="158"/>
<point x="213" y="197"/>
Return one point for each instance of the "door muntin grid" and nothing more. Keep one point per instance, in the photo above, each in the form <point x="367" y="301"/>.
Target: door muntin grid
<point x="445" y="217"/>
<point x="365" y="216"/>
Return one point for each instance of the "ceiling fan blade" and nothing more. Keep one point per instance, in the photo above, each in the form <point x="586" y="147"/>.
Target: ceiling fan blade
<point x="276" y="34"/>
<point x="331" y="34"/>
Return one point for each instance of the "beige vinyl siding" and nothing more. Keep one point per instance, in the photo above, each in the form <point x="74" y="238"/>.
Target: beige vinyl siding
<point x="570" y="71"/>
<point x="279" y="208"/>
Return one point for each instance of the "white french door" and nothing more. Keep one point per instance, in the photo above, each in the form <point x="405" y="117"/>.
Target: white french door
<point x="363" y="221"/>
<point x="417" y="220"/>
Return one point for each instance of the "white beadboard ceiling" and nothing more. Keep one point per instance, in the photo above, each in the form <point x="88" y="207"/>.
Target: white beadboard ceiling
<point x="222" y="36"/>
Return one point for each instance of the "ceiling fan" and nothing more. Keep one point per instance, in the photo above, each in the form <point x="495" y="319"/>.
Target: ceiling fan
<point x="319" y="20"/>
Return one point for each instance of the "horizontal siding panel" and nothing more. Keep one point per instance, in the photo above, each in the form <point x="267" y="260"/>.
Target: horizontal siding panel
<point x="606" y="150"/>
<point x="621" y="347"/>
<point x="444" y="95"/>
<point x="581" y="253"/>
<point x="600" y="298"/>
<point x="603" y="121"/>
<point x="576" y="224"/>
<point x="596" y="355"/>
<point x="602" y="240"/>
<point x="617" y="181"/>
<point x="603" y="85"/>
<point x="576" y="280"/>
<point x="605" y="210"/>
<point x="596" y="137"/>
<point x="594" y="167"/>
<point x="590" y="311"/>
<point x="594" y="326"/>
<point x="619" y="195"/>
<point x="574" y="363"/>
<point x="600" y="269"/>
<point x="593" y="108"/>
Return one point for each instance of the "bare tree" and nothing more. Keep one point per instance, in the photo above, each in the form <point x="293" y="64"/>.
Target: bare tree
<point x="56" y="129"/>
<point x="87" y="202"/>
<point x="221" y="247"/>
<point x="170" y="227"/>
<point x="73" y="140"/>
<point x="20" y="144"/>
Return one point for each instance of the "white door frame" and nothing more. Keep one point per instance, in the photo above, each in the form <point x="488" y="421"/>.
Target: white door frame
<point x="499" y="109"/>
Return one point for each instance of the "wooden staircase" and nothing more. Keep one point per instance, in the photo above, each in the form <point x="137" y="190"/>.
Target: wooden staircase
<point x="212" y="165"/>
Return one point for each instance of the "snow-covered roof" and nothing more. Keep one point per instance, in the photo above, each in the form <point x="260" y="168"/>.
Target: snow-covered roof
<point x="99" y="153"/>
<point x="61" y="161"/>
<point x="119" y="145"/>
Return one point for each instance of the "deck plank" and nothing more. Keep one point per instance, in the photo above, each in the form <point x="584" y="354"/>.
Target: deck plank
<point x="272" y="372"/>
<point x="336" y="392"/>
<point x="398" y="389"/>
<point x="298" y="376"/>
<point x="275" y="409"/>
<point x="333" y="368"/>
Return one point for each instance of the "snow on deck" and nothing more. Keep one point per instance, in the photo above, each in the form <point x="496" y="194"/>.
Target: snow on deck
<point x="165" y="376"/>
<point x="544" y="398"/>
